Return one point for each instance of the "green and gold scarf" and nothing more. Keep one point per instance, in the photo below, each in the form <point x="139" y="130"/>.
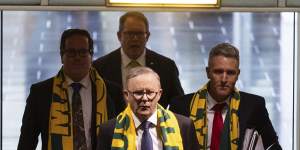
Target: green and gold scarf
<point x="60" y="119"/>
<point x="125" y="131"/>
<point x="198" y="115"/>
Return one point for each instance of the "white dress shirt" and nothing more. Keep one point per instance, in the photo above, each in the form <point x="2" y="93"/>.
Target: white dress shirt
<point x="210" y="116"/>
<point x="125" y="60"/>
<point x="157" y="143"/>
<point x="86" y="100"/>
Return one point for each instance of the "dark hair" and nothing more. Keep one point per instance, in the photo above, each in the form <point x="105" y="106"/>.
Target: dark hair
<point x="133" y="14"/>
<point x="224" y="49"/>
<point x="70" y="32"/>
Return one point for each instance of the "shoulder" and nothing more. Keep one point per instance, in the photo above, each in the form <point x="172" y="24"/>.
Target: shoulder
<point x="181" y="104"/>
<point x="185" y="124"/>
<point x="249" y="95"/>
<point x="183" y="120"/>
<point x="107" y="128"/>
<point x="155" y="56"/>
<point x="113" y="87"/>
<point x="107" y="58"/>
<point x="110" y="124"/>
<point x="40" y="95"/>
<point x="182" y="100"/>
<point x="252" y="109"/>
<point x="248" y="99"/>
<point x="43" y="85"/>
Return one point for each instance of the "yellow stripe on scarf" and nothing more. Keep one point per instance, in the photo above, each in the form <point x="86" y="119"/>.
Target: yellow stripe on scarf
<point x="125" y="131"/>
<point x="60" y="119"/>
<point x="198" y="115"/>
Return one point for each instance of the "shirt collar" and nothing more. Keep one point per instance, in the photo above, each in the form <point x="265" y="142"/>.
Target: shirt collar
<point x="85" y="82"/>
<point x="126" y="60"/>
<point x="152" y="119"/>
<point x="211" y="102"/>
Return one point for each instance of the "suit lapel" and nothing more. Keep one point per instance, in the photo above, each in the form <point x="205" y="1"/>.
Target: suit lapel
<point x="93" y="120"/>
<point x="116" y="67"/>
<point x="242" y="120"/>
<point x="150" y="60"/>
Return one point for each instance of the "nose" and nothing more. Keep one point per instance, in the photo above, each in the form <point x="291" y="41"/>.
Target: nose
<point x="224" y="77"/>
<point x="77" y="54"/>
<point x="144" y="97"/>
<point x="134" y="36"/>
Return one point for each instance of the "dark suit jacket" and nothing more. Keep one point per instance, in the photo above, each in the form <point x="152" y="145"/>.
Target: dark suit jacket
<point x="187" y="131"/>
<point x="36" y="116"/>
<point x="252" y="114"/>
<point x="109" y="67"/>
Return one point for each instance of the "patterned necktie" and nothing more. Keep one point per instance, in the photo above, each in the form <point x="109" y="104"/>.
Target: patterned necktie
<point x="146" y="138"/>
<point x="133" y="64"/>
<point x="217" y="127"/>
<point x="79" y="140"/>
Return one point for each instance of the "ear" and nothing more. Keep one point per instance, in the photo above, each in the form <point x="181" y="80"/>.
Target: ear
<point x="61" y="59"/>
<point x="119" y="34"/>
<point x="207" y="72"/>
<point x="126" y="95"/>
<point x="160" y="93"/>
<point x="238" y="73"/>
<point x="147" y="35"/>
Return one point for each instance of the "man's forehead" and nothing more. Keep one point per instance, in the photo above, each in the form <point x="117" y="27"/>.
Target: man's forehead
<point x="132" y="18"/>
<point x="143" y="77"/>
<point x="82" y="42"/>
<point x="221" y="58"/>
<point x="147" y="78"/>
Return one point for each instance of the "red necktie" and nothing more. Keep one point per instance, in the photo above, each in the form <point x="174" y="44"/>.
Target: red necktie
<point x="217" y="127"/>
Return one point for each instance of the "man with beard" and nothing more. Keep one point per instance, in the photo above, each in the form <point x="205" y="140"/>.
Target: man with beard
<point x="221" y="113"/>
<point x="133" y="35"/>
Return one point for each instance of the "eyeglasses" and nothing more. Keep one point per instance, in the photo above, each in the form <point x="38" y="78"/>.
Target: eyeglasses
<point x="138" y="95"/>
<point x="73" y="52"/>
<point x="130" y="34"/>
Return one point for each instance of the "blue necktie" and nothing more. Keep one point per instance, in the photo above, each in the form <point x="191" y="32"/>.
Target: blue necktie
<point x="146" y="138"/>
<point x="79" y="141"/>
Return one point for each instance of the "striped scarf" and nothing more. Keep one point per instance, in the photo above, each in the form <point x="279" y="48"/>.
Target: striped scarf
<point x="125" y="131"/>
<point x="198" y="115"/>
<point x="60" y="119"/>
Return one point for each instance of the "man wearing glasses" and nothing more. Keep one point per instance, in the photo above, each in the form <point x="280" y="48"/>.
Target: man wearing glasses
<point x="144" y="124"/>
<point x="133" y="35"/>
<point x="67" y="109"/>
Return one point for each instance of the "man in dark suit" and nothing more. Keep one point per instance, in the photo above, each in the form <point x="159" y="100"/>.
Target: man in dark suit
<point x="144" y="124"/>
<point x="220" y="112"/>
<point x="133" y="35"/>
<point x="75" y="99"/>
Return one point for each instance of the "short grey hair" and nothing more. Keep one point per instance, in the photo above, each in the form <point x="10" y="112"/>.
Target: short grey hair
<point x="140" y="70"/>
<point x="226" y="50"/>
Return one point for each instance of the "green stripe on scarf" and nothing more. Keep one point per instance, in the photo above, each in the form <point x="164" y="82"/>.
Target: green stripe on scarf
<point x="198" y="115"/>
<point x="125" y="131"/>
<point x="60" y="119"/>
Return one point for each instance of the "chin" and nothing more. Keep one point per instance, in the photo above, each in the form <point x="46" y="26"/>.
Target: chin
<point x="224" y="96"/>
<point x="144" y="114"/>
